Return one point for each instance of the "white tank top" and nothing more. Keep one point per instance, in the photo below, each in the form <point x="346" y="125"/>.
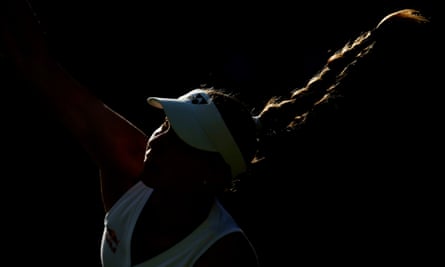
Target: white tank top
<point x="119" y="224"/>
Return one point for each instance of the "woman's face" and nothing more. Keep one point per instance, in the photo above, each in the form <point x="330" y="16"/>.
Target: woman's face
<point x="171" y="163"/>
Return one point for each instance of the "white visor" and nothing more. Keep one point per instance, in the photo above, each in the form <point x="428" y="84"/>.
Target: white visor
<point x="197" y="121"/>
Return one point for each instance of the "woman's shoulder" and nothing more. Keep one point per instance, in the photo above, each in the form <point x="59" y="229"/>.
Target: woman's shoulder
<point x="234" y="249"/>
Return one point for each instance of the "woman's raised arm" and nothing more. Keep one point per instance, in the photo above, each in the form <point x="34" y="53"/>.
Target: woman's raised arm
<point x="115" y="144"/>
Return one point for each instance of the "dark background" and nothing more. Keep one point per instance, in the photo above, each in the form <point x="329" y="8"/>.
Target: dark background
<point x="128" y="51"/>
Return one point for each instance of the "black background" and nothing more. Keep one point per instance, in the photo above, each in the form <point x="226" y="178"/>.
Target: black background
<point x="127" y="51"/>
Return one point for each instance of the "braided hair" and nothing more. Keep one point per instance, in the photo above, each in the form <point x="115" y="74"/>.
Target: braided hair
<point x="307" y="112"/>
<point x="319" y="102"/>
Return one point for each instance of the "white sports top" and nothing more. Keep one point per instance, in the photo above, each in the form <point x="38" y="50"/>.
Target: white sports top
<point x="119" y="224"/>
